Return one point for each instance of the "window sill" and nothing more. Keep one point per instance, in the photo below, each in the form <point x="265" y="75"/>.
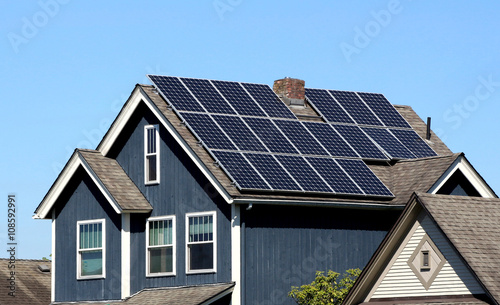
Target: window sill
<point x="160" y="274"/>
<point x="200" y="271"/>
<point x="152" y="183"/>
<point x="90" y="277"/>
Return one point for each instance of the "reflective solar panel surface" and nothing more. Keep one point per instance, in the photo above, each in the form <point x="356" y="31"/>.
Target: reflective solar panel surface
<point x="268" y="100"/>
<point x="356" y="108"/>
<point x="272" y="171"/>
<point x="329" y="138"/>
<point x="364" y="177"/>
<point x="240" y="170"/>
<point x="207" y="95"/>
<point x="300" y="137"/>
<point x="237" y="131"/>
<point x="360" y="142"/>
<point x="238" y="98"/>
<point x="389" y="143"/>
<point x="175" y="92"/>
<point x="384" y="110"/>
<point x="208" y="131"/>
<point x="414" y="143"/>
<point x="327" y="106"/>
<point x="270" y="135"/>
<point x="338" y="180"/>
<point x="303" y="174"/>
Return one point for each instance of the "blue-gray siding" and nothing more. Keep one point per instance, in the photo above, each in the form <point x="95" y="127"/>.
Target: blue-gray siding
<point x="284" y="246"/>
<point x="85" y="202"/>
<point x="182" y="189"/>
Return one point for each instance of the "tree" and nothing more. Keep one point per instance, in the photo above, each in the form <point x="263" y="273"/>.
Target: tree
<point x="325" y="289"/>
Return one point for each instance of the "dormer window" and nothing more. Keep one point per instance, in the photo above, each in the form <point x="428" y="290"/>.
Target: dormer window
<point x="151" y="154"/>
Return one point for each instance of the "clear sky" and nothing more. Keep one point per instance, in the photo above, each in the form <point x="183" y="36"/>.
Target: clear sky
<point x="67" y="67"/>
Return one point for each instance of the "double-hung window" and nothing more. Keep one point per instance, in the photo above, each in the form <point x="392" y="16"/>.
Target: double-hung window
<point x="160" y="236"/>
<point x="91" y="241"/>
<point x="201" y="236"/>
<point x="151" y="154"/>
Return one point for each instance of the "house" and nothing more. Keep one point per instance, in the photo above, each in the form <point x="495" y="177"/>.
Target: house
<point x="237" y="192"/>
<point x="443" y="249"/>
<point x="25" y="281"/>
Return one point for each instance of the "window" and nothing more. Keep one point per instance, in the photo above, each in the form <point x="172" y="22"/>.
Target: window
<point x="201" y="235"/>
<point x="91" y="239"/>
<point x="160" y="236"/>
<point x="151" y="153"/>
<point x="425" y="260"/>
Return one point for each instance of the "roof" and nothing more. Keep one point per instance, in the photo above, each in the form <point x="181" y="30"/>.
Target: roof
<point x="192" y="295"/>
<point x="472" y="226"/>
<point x="32" y="285"/>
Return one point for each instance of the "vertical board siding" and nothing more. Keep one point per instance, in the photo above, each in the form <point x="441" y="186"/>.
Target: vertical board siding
<point x="182" y="189"/>
<point x="83" y="201"/>
<point x="453" y="279"/>
<point x="284" y="246"/>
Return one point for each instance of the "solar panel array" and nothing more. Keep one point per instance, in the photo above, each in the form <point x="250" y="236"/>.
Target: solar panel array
<point x="262" y="145"/>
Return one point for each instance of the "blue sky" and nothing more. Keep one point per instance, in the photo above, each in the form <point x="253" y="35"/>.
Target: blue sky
<point x="67" y="67"/>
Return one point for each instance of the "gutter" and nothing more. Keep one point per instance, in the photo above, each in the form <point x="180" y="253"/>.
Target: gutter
<point x="336" y="204"/>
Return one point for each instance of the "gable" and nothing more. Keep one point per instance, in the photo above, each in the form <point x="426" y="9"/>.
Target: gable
<point x="451" y="277"/>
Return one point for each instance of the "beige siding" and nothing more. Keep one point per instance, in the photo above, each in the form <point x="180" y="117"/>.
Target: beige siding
<point x="453" y="279"/>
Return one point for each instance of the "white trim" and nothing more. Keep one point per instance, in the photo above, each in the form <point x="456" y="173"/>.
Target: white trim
<point x="125" y="255"/>
<point x="335" y="204"/>
<point x="156" y="154"/>
<point x="218" y="297"/>
<point x="462" y="164"/>
<point x="174" y="248"/>
<point x="236" y="250"/>
<point x="214" y="241"/>
<point x="53" y="258"/>
<point x="103" y="249"/>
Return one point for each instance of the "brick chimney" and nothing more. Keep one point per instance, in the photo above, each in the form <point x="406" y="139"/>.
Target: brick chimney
<point x="290" y="90"/>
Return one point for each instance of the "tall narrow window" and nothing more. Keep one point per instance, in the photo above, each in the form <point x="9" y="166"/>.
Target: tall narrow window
<point x="425" y="260"/>
<point x="90" y="248"/>
<point x="201" y="242"/>
<point x="161" y="246"/>
<point x="151" y="154"/>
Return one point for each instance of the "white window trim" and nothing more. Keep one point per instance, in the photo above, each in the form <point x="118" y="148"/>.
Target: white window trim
<point x="214" y="215"/>
<point x="78" y="252"/>
<point x="157" y="153"/>
<point x="174" y="246"/>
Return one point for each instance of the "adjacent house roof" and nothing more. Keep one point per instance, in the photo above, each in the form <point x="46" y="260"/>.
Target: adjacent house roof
<point x="32" y="285"/>
<point x="192" y="295"/>
<point x="469" y="224"/>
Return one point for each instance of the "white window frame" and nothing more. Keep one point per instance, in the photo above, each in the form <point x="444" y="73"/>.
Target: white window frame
<point x="156" y="154"/>
<point x="79" y="251"/>
<point x="174" y="244"/>
<point x="214" y="241"/>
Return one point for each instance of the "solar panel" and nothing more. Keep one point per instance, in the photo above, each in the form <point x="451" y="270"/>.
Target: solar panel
<point x="270" y="135"/>
<point x="300" y="137"/>
<point x="207" y="131"/>
<point x="364" y="177"/>
<point x="355" y="107"/>
<point x="207" y="95"/>
<point x="360" y="142"/>
<point x="272" y="172"/>
<point x="175" y="92"/>
<point x="327" y="136"/>
<point x="240" y="170"/>
<point x="268" y="100"/>
<point x="327" y="106"/>
<point x="413" y="142"/>
<point x="303" y="174"/>
<point x="238" y="98"/>
<point x="334" y="175"/>
<point x="389" y="143"/>
<point x="241" y="135"/>
<point x="384" y="110"/>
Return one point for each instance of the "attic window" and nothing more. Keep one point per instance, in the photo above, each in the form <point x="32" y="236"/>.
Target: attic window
<point x="425" y="260"/>
<point x="151" y="155"/>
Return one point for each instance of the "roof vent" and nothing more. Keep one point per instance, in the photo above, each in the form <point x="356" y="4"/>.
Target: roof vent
<point x="44" y="268"/>
<point x="290" y="90"/>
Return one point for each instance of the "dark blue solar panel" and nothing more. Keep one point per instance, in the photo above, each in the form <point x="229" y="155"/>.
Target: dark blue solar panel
<point x="355" y="107"/>
<point x="413" y="142"/>
<point x="330" y="139"/>
<point x="272" y="171"/>
<point x="303" y="174"/>
<point x="364" y="177"/>
<point x="384" y="110"/>
<point x="268" y="100"/>
<point x="208" y="131"/>
<point x="241" y="135"/>
<point x="360" y="142"/>
<point x="208" y="96"/>
<point x="270" y="135"/>
<point x="300" y="137"/>
<point x="389" y="143"/>
<point x="238" y="98"/>
<point x="240" y="170"/>
<point x="175" y="92"/>
<point x="334" y="175"/>
<point x="327" y="106"/>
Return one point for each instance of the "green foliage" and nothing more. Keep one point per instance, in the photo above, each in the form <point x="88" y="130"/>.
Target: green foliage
<point x="325" y="289"/>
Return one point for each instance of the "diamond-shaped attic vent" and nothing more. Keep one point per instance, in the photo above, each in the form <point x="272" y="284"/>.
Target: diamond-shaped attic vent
<point x="426" y="261"/>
